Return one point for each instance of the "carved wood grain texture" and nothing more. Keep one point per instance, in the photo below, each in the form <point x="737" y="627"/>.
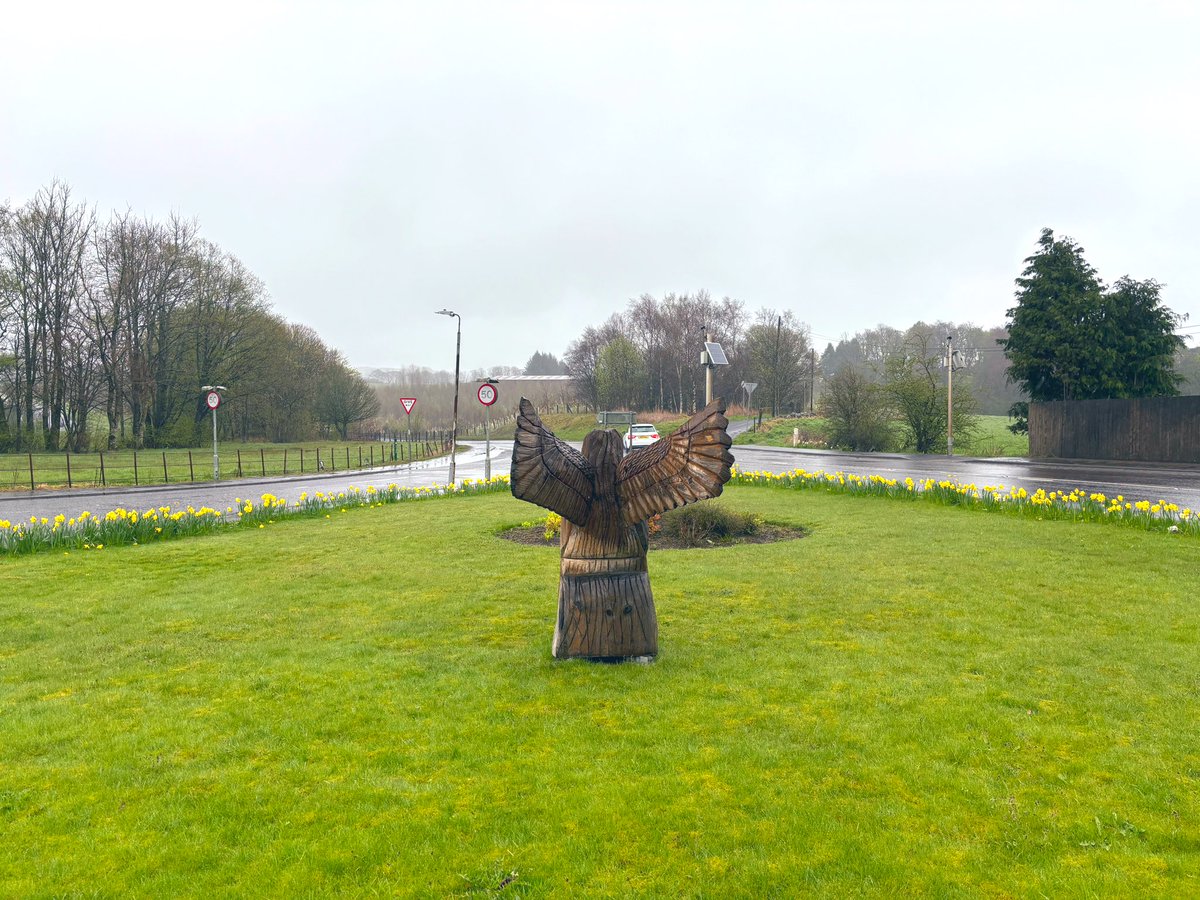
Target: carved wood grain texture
<point x="605" y="617"/>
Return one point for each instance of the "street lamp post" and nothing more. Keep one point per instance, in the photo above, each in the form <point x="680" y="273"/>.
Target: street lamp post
<point x="457" y="356"/>
<point x="212" y="400"/>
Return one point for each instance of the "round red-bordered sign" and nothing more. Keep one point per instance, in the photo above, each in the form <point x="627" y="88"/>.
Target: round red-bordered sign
<point x="487" y="394"/>
<point x="212" y="400"/>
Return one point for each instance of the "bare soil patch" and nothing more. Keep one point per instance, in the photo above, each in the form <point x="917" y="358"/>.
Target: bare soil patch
<point x="535" y="535"/>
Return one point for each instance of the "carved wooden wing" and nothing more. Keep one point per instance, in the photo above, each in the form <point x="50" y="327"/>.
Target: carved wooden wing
<point x="549" y="472"/>
<point x="690" y="465"/>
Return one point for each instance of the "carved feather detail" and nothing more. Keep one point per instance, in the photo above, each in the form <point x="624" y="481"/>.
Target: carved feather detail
<point x="548" y="472"/>
<point x="692" y="464"/>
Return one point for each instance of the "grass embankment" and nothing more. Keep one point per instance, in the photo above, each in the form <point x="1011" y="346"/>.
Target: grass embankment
<point x="236" y="459"/>
<point x="913" y="700"/>
<point x="575" y="426"/>
<point x="991" y="436"/>
<point x="779" y="432"/>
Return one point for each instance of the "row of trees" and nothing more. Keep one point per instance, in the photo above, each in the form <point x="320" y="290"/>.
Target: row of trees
<point x="648" y="357"/>
<point x="125" y="319"/>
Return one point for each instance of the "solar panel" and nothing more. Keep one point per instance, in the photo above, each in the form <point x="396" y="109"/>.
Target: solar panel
<point x="716" y="356"/>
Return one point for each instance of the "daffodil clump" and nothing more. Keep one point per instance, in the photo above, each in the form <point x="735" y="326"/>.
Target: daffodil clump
<point x="1076" y="504"/>
<point x="119" y="527"/>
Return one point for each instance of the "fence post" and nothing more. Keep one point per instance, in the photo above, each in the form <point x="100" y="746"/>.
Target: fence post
<point x="301" y="460"/>
<point x="239" y="455"/>
<point x="69" y="469"/>
<point x="285" y="460"/>
<point x="135" y="472"/>
<point x="332" y="461"/>
<point x="166" y="478"/>
<point x="262" y="458"/>
<point x="103" y="480"/>
<point x="32" y="487"/>
<point x="348" y="458"/>
<point x="360" y="455"/>
<point x="191" y="471"/>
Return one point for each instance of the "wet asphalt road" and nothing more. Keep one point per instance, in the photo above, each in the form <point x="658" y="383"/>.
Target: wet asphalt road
<point x="1135" y="481"/>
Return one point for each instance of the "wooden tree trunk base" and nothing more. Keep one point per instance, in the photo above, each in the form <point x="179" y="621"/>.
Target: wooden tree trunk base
<point x="609" y="616"/>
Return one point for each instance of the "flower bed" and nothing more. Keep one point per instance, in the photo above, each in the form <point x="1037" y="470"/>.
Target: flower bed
<point x="88" y="531"/>
<point x="1068" y="503"/>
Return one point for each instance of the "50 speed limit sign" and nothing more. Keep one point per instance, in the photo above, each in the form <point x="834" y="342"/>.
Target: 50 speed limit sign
<point x="487" y="394"/>
<point x="212" y="399"/>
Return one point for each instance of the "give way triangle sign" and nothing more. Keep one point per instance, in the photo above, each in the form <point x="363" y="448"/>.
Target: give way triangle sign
<point x="408" y="403"/>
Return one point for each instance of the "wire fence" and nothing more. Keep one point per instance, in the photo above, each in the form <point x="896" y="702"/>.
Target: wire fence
<point x="47" y="471"/>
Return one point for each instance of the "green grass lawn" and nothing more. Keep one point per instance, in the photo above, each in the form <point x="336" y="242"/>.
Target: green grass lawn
<point x="912" y="701"/>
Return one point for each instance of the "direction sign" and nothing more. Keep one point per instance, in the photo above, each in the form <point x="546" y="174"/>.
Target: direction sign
<point x="408" y="403"/>
<point x="212" y="400"/>
<point x="487" y="394"/>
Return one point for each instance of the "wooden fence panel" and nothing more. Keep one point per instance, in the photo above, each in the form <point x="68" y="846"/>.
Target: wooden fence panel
<point x="1148" y="429"/>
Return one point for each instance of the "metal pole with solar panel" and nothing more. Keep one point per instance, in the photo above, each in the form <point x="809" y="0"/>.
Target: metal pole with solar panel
<point x="712" y="355"/>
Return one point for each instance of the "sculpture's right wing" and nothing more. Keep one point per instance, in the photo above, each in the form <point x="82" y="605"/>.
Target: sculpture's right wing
<point x="549" y="472"/>
<point x="692" y="464"/>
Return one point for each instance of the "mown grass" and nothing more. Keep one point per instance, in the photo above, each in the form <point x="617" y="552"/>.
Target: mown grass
<point x="235" y="459"/>
<point x="913" y="700"/>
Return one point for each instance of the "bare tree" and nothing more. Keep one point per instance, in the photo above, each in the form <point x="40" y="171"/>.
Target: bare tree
<point x="44" y="244"/>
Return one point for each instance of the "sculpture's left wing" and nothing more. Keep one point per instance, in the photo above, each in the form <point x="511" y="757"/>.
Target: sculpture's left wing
<point x="692" y="464"/>
<point x="549" y="472"/>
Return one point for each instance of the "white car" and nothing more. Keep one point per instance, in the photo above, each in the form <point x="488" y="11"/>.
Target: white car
<point x="640" y="436"/>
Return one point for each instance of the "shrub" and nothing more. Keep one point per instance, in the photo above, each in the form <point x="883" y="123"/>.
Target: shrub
<point x="708" y="523"/>
<point x="857" y="412"/>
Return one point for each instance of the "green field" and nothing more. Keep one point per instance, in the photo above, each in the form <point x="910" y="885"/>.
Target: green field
<point x="991" y="436"/>
<point x="237" y="459"/>
<point x="913" y="700"/>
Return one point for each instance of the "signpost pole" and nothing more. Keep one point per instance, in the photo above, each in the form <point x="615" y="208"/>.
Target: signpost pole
<point x="487" y="443"/>
<point x="212" y="400"/>
<point x="487" y="396"/>
<point x="408" y="403"/>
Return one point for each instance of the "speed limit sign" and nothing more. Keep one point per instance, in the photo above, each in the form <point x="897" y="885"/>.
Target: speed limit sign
<point x="487" y="394"/>
<point x="212" y="400"/>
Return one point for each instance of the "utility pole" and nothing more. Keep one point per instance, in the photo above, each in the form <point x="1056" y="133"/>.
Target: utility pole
<point x="812" y="377"/>
<point x="949" y="395"/>
<point x="775" y="373"/>
<point x="708" y="373"/>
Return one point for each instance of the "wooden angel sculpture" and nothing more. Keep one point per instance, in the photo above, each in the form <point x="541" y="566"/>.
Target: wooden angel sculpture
<point x="605" y="609"/>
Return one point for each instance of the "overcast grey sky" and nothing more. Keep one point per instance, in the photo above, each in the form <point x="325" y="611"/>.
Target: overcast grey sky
<point x="534" y="166"/>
